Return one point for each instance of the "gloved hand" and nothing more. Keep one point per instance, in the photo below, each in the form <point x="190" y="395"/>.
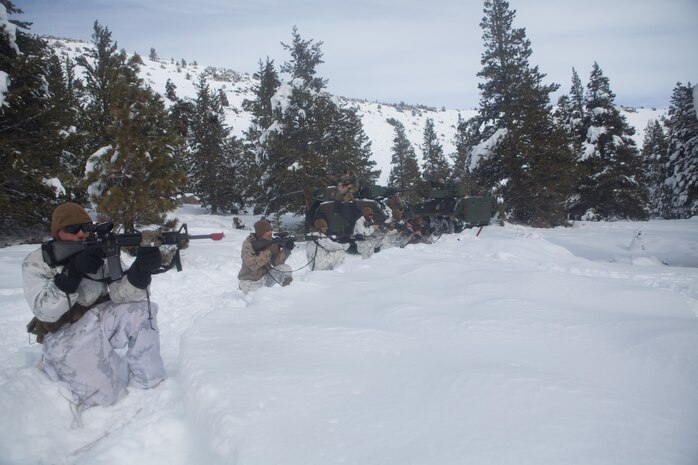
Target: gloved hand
<point x="86" y="262"/>
<point x="148" y="259"/>
<point x="289" y="244"/>
<point x="274" y="248"/>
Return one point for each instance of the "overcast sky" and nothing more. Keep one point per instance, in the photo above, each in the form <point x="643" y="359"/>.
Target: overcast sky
<point x="417" y="51"/>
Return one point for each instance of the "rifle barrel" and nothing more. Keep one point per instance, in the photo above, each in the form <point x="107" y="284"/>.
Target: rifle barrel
<point x="213" y="236"/>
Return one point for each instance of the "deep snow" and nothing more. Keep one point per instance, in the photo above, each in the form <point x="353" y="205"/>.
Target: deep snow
<point x="521" y="346"/>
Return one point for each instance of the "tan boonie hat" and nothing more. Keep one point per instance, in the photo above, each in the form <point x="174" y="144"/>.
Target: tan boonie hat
<point x="67" y="214"/>
<point x="260" y="227"/>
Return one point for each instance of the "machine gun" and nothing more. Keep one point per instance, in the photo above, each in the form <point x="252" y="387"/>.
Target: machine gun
<point x="57" y="252"/>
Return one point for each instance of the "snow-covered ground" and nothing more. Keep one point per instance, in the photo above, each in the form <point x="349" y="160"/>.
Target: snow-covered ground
<point x="520" y="346"/>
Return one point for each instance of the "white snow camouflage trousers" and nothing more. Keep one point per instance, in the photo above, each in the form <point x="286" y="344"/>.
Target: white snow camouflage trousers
<point x="325" y="254"/>
<point x="83" y="354"/>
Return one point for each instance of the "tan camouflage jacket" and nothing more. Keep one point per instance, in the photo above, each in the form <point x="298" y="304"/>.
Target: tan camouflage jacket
<point x="255" y="264"/>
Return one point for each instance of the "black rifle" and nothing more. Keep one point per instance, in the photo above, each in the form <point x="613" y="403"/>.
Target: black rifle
<point x="283" y="239"/>
<point x="109" y="243"/>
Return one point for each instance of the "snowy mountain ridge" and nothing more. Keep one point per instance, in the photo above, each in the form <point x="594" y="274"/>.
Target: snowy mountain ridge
<point x="375" y="115"/>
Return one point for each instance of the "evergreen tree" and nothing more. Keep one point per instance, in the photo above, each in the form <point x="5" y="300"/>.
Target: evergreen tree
<point x="213" y="153"/>
<point x="309" y="136"/>
<point x="68" y="139"/>
<point x="525" y="159"/>
<point x="132" y="173"/>
<point x="346" y="144"/>
<point x="612" y="184"/>
<point x="682" y="165"/>
<point x="27" y="123"/>
<point x="570" y="112"/>
<point x="223" y="98"/>
<point x="105" y="70"/>
<point x="170" y="91"/>
<point x="654" y="156"/>
<point x="305" y="57"/>
<point x="461" y="174"/>
<point x="404" y="174"/>
<point x="253" y="163"/>
<point x="133" y="181"/>
<point x="435" y="166"/>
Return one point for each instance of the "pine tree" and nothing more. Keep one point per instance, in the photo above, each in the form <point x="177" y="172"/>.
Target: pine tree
<point x="404" y="174"/>
<point x="525" y="161"/>
<point x="461" y="174"/>
<point x="571" y="113"/>
<point x="133" y="181"/>
<point x="132" y="173"/>
<point x="213" y="153"/>
<point x="305" y="57"/>
<point x="654" y="156"/>
<point x="26" y="125"/>
<point x="170" y="91"/>
<point x="223" y="98"/>
<point x="612" y="185"/>
<point x="682" y="167"/>
<point x="254" y="162"/>
<point x="435" y="166"/>
<point x="309" y="136"/>
<point x="68" y="140"/>
<point x="104" y="70"/>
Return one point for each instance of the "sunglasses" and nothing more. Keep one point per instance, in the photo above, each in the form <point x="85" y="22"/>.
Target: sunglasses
<point x="75" y="228"/>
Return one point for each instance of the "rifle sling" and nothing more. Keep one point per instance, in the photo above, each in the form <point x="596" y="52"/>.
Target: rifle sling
<point x="41" y="328"/>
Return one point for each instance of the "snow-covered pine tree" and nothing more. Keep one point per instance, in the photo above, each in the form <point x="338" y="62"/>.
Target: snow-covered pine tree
<point x="404" y="174"/>
<point x="213" y="153"/>
<point x="612" y="184"/>
<point x="68" y="142"/>
<point x="347" y="146"/>
<point x="524" y="160"/>
<point x="654" y="156"/>
<point x="253" y="163"/>
<point x="132" y="174"/>
<point x="461" y="173"/>
<point x="682" y="127"/>
<point x="27" y="122"/>
<point x="133" y="181"/>
<point x="170" y="90"/>
<point x="434" y="166"/>
<point x="310" y="135"/>
<point x="105" y="68"/>
<point x="570" y="112"/>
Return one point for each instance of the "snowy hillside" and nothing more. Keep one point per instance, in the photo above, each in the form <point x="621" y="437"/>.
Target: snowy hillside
<point x="237" y="87"/>
<point x="571" y="346"/>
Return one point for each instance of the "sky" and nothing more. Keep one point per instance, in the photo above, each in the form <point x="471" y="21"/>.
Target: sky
<point x="412" y="51"/>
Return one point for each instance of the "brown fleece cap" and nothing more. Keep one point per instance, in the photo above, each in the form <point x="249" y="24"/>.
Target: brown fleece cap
<point x="319" y="224"/>
<point x="67" y="214"/>
<point x="260" y="227"/>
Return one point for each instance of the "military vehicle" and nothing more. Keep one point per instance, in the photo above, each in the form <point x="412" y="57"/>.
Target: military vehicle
<point x="341" y="216"/>
<point x="444" y="208"/>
